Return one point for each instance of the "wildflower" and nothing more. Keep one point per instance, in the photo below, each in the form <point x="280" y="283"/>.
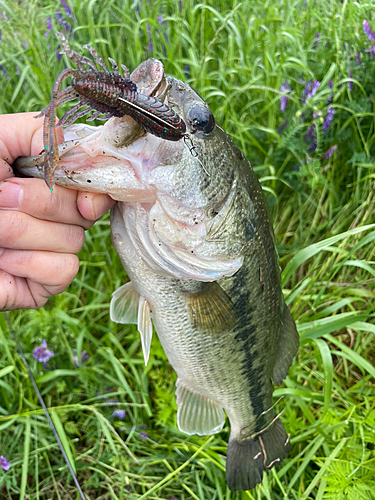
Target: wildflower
<point x="314" y="89"/>
<point x="330" y="85"/>
<point x="310" y="133"/>
<point x="42" y="354"/>
<point x="187" y="71"/>
<point x="150" y="45"/>
<point x="84" y="357"/>
<point x="330" y="152"/>
<point x="284" y="99"/>
<point x="306" y="91"/>
<point x="68" y="12"/>
<point x="59" y="18"/>
<point x="327" y="122"/>
<point x="317" y="38"/>
<point x="49" y="26"/>
<point x="143" y="436"/>
<point x="4" y="463"/>
<point x="161" y="22"/>
<point x="313" y="146"/>
<point x="366" y="28"/>
<point x="121" y="414"/>
<point x="358" y="58"/>
<point x="1" y="35"/>
<point x="180" y="4"/>
<point x="350" y="84"/>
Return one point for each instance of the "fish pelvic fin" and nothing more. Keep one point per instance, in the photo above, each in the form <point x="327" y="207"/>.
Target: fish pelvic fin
<point x="127" y="306"/>
<point x="197" y="414"/>
<point x="248" y="458"/>
<point x="287" y="347"/>
<point x="124" y="305"/>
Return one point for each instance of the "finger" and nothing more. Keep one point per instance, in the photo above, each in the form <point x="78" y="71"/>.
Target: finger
<point x="5" y="170"/>
<point x="21" y="134"/>
<point x="93" y="205"/>
<point x="55" y="271"/>
<point x="21" y="293"/>
<point x="32" y="196"/>
<point x="21" y="231"/>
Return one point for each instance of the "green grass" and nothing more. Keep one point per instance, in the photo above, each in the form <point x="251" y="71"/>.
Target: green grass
<point x="238" y="56"/>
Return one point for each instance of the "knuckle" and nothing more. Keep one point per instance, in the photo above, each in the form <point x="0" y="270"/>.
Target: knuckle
<point x="76" y="237"/>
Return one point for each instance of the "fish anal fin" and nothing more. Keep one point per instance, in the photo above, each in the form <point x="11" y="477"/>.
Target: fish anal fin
<point x="124" y="305"/>
<point x="145" y="327"/>
<point x="287" y="347"/>
<point x="248" y="458"/>
<point x="211" y="309"/>
<point x="197" y="414"/>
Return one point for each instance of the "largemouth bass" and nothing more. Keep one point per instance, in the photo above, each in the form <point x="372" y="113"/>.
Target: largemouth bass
<point x="194" y="236"/>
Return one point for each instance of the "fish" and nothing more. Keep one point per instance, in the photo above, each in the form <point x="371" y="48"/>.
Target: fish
<point x="195" y="237"/>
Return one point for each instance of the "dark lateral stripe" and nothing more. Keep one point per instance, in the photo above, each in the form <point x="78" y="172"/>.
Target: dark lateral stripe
<point x="245" y="334"/>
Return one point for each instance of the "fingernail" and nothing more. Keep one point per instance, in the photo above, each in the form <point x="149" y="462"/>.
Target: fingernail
<point x="10" y="195"/>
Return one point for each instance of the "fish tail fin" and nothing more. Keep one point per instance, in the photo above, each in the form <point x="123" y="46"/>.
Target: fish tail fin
<point x="248" y="458"/>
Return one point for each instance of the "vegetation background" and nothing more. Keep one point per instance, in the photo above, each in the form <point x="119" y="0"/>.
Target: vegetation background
<point x="292" y="82"/>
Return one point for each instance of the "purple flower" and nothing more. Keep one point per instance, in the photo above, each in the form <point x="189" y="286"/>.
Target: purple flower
<point x="187" y="71"/>
<point x="306" y="91"/>
<point x="358" y="58"/>
<point x="150" y="45"/>
<point x="317" y="38"/>
<point x="42" y="354"/>
<point x="327" y="122"/>
<point x="350" y="84"/>
<point x="310" y="90"/>
<point x="371" y="51"/>
<point x="180" y="4"/>
<point x="330" y="152"/>
<point x="161" y="22"/>
<point x="1" y="35"/>
<point x="66" y="7"/>
<point x="143" y="436"/>
<point x="366" y="28"/>
<point x="4" y="463"/>
<point x="121" y="414"/>
<point x="330" y="85"/>
<point x="310" y="133"/>
<point x="59" y="18"/>
<point x="284" y="99"/>
<point x="84" y="357"/>
<point x="313" y="146"/>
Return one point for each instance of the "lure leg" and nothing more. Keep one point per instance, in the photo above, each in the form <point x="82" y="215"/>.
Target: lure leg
<point x="99" y="61"/>
<point x="76" y="58"/>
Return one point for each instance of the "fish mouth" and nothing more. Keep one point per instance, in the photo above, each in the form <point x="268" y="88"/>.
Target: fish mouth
<point x="110" y="158"/>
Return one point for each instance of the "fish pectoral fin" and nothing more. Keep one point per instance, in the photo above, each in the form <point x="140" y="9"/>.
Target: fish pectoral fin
<point x="287" y="348"/>
<point x="145" y="327"/>
<point x="197" y="414"/>
<point x="124" y="305"/>
<point x="211" y="309"/>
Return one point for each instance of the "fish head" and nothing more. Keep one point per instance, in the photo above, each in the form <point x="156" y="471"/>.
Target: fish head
<point x="120" y="158"/>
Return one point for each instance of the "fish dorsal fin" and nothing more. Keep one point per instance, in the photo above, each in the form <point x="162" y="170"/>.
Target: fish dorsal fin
<point x="197" y="414"/>
<point x="287" y="348"/>
<point x="124" y="305"/>
<point x="145" y="327"/>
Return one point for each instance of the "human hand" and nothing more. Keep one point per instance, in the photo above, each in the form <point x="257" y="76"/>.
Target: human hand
<point x="39" y="233"/>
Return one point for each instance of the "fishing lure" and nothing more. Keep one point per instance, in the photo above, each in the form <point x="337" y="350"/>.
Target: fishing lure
<point x="104" y="92"/>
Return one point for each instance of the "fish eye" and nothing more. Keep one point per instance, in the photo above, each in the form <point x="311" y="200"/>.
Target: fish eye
<point x="201" y="119"/>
